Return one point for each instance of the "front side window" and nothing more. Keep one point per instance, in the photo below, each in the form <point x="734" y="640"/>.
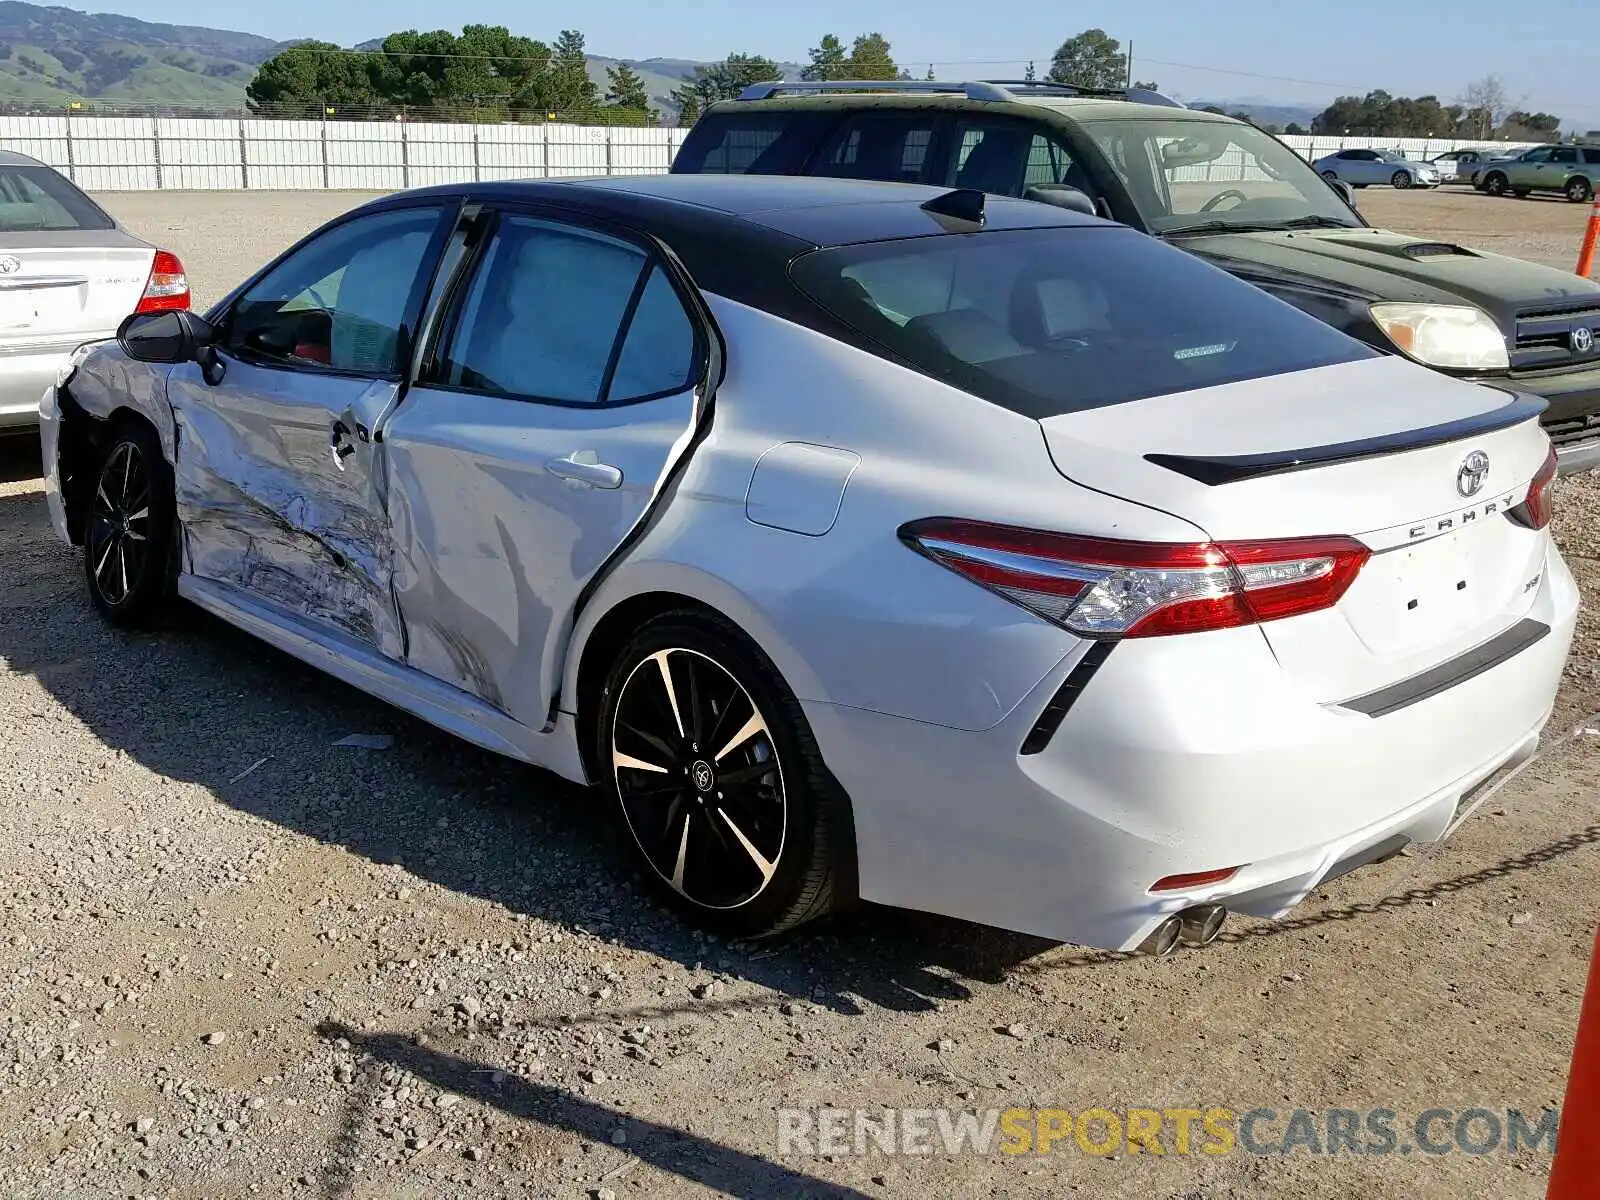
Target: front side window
<point x="1050" y="321"/>
<point x="1183" y="173"/>
<point x="1541" y="155"/>
<point x="340" y="301"/>
<point x="1006" y="158"/>
<point x="570" y="316"/>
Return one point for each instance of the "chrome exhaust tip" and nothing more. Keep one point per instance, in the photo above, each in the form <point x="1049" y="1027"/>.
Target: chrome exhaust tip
<point x="1199" y="926"/>
<point x="1162" y="939"/>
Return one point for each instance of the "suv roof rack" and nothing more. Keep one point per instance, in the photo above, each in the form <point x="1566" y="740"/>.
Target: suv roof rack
<point x="996" y="91"/>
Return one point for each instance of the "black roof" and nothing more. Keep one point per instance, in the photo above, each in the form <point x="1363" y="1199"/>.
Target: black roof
<point x="737" y="234"/>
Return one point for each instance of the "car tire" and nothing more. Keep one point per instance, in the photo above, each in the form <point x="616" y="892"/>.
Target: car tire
<point x="750" y="867"/>
<point x="1579" y="190"/>
<point x="128" y="535"/>
<point x="1331" y="176"/>
<point x="1401" y="180"/>
<point x="1496" y="183"/>
<point x="1521" y="193"/>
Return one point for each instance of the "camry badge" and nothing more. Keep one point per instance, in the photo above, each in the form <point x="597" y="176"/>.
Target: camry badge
<point x="1474" y="470"/>
<point x="10" y="264"/>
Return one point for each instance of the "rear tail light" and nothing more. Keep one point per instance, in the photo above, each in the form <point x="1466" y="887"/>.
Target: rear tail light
<point x="1099" y="587"/>
<point x="1535" y="511"/>
<point x="168" y="286"/>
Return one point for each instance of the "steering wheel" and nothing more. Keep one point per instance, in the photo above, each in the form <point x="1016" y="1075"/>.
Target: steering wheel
<point x="1230" y="194"/>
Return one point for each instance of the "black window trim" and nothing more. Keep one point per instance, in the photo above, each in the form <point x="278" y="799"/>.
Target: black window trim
<point x="453" y="302"/>
<point x="447" y="213"/>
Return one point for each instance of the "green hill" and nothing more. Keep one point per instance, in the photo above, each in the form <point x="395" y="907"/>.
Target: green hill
<point x="52" y="57"/>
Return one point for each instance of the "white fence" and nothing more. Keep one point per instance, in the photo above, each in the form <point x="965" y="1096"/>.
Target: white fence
<point x="119" y="154"/>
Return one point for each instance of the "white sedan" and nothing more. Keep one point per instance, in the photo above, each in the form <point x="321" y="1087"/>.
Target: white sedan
<point x="853" y="539"/>
<point x="68" y="275"/>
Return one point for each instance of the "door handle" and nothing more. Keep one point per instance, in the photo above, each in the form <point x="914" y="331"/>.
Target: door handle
<point x="339" y="444"/>
<point x="581" y="467"/>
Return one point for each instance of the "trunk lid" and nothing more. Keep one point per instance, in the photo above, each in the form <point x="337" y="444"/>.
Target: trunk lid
<point x="68" y="287"/>
<point x="1448" y="570"/>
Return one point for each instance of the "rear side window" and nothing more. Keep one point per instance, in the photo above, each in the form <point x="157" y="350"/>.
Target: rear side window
<point x="1051" y="321"/>
<point x="36" y="198"/>
<point x="878" y="146"/>
<point x="749" y="143"/>
<point x="1592" y="157"/>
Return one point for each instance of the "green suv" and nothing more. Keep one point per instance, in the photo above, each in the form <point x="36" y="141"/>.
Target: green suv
<point x="1214" y="186"/>
<point x="1574" y="171"/>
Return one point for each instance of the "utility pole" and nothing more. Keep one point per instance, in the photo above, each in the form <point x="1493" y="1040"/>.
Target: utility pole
<point x="1129" y="82"/>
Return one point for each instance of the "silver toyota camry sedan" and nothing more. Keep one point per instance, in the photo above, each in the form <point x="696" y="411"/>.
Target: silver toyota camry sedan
<point x="68" y="275"/>
<point x="856" y="540"/>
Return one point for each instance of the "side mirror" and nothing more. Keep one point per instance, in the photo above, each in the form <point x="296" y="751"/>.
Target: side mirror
<point x="174" y="336"/>
<point x="1062" y="195"/>
<point x="1346" y="193"/>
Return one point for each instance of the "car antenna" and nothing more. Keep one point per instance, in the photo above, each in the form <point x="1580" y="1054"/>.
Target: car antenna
<point x="963" y="204"/>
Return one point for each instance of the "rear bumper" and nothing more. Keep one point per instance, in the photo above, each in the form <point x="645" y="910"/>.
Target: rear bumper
<point x="23" y="380"/>
<point x="1181" y="755"/>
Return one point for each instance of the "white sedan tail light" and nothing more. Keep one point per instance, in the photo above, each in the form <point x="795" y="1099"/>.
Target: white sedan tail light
<point x="1104" y="588"/>
<point x="168" y="286"/>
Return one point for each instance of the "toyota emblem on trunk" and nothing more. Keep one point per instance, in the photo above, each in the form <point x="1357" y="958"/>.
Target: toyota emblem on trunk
<point x="10" y="264"/>
<point x="1474" y="470"/>
<point x="1582" y="339"/>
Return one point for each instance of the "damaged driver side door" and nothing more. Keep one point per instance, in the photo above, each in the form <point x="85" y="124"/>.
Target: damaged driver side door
<point x="279" y="483"/>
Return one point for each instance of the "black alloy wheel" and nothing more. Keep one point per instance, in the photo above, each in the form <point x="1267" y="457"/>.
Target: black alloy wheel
<point x="718" y="780"/>
<point x="129" y="530"/>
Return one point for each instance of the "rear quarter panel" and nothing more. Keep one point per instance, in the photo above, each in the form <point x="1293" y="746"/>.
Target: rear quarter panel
<point x="852" y="616"/>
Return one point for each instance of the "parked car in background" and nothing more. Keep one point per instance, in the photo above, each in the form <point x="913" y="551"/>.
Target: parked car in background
<point x="1475" y="172"/>
<point x="1217" y="187"/>
<point x="1573" y="171"/>
<point x="1363" y="168"/>
<point x="960" y="553"/>
<point x="69" y="274"/>
<point x="1457" y="166"/>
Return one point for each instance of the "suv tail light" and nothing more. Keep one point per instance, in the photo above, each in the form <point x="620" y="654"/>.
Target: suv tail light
<point x="1104" y="588"/>
<point x="167" y="287"/>
<point x="1535" y="511"/>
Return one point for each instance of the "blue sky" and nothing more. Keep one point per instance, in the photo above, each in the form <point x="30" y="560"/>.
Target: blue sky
<point x="1413" y="48"/>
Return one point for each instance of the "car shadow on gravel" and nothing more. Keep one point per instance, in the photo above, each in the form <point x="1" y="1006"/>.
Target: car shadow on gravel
<point x="19" y="457"/>
<point x="200" y="702"/>
<point x="699" y="1160"/>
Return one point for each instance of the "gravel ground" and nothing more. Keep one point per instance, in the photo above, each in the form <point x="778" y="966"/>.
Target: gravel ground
<point x="238" y="960"/>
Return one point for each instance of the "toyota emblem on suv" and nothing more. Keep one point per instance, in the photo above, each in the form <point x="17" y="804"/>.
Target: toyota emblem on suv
<point x="1474" y="470"/>
<point x="1582" y="339"/>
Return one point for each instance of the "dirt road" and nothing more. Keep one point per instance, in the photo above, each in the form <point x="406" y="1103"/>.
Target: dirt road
<point x="236" y="959"/>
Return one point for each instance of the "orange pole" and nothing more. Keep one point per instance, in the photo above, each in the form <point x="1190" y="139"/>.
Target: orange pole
<point x="1575" y="1174"/>
<point x="1590" y="238"/>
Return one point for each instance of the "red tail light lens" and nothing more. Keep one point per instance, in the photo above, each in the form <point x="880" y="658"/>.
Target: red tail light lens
<point x="1536" y="510"/>
<point x="1100" y="587"/>
<point x="168" y="286"/>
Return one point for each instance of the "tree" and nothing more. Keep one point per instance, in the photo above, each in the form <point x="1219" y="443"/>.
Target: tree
<point x="1521" y="126"/>
<point x="1379" y="114"/>
<point x="1030" y="74"/>
<point x="486" y="70"/>
<point x="870" y="59"/>
<point x="1486" y="103"/>
<point x="688" y="110"/>
<point x="569" y="90"/>
<point x="1093" y="59"/>
<point x="1149" y="87"/>
<point x="828" y="60"/>
<point x="312" y="76"/>
<point x="1294" y="128"/>
<point x="930" y="75"/>
<point x="625" y="90"/>
<point x="724" y="80"/>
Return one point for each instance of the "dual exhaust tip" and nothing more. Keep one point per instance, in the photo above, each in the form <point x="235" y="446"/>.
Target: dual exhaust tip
<point x="1197" y="926"/>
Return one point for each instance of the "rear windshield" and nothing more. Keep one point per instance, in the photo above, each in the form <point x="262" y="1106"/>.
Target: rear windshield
<point x="1051" y="321"/>
<point x="36" y="198"/>
<point x="750" y="143"/>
